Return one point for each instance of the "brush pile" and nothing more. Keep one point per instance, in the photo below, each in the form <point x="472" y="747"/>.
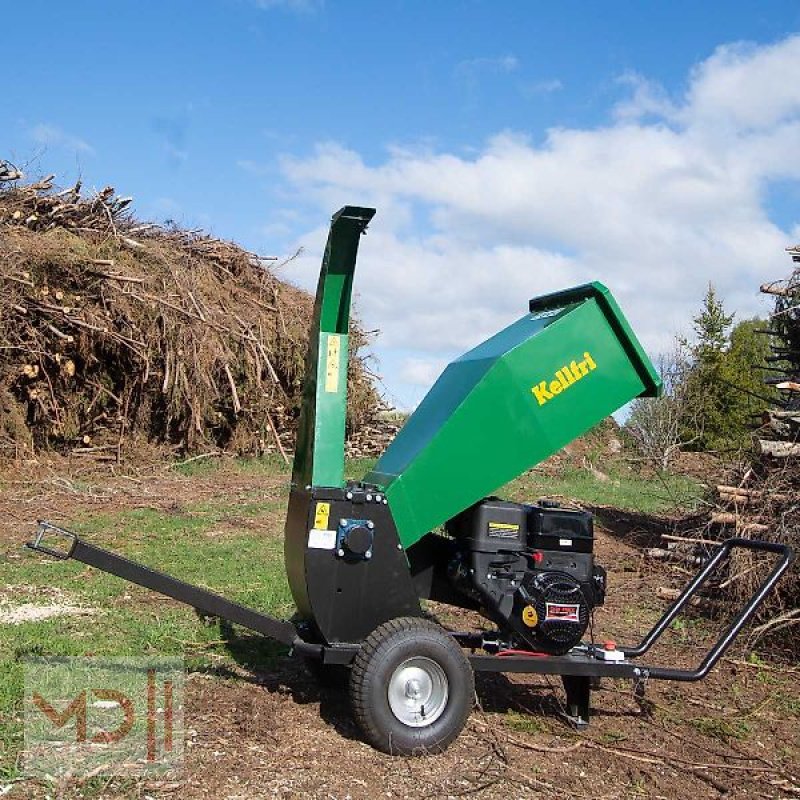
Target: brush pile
<point x="762" y="498"/>
<point x="762" y="504"/>
<point x="115" y="333"/>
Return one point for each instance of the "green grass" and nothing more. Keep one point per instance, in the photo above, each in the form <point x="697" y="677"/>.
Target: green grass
<point x="524" y="723"/>
<point x="623" y="489"/>
<point x="722" y="729"/>
<point x="270" y="464"/>
<point x="232" y="545"/>
<point x="245" y="565"/>
<point x="356" y="468"/>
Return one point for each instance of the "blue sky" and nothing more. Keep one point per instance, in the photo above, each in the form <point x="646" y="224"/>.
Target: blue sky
<point x="511" y="148"/>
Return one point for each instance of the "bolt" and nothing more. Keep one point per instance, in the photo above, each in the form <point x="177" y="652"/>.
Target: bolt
<point x="369" y="498"/>
<point x="378" y="498"/>
<point x="349" y="495"/>
<point x="370" y="524"/>
<point x="342" y="523"/>
<point x="399" y="547"/>
<point x="368" y="555"/>
<point x="385" y="501"/>
<point x="340" y="553"/>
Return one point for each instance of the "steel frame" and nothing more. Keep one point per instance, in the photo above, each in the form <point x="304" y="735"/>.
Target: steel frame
<point x="577" y="668"/>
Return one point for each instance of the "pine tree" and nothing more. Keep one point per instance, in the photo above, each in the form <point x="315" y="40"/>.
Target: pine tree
<point x="711" y="326"/>
<point x="747" y="395"/>
<point x="724" y="381"/>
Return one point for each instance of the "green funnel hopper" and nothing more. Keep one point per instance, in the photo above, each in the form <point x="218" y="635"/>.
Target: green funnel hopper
<point x="510" y="403"/>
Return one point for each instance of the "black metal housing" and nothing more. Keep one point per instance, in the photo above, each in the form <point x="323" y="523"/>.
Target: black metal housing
<point x="560" y="529"/>
<point x="345" y="585"/>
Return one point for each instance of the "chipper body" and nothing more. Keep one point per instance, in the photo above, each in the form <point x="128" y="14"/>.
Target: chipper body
<point x="362" y="557"/>
<point x="359" y="554"/>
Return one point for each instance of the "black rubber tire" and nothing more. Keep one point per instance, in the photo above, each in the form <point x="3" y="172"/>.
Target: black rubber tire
<point x="386" y="648"/>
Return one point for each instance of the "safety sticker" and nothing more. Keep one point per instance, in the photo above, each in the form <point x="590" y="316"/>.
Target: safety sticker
<point x="332" y="363"/>
<point x="503" y="530"/>
<point x="321" y="516"/>
<point x="565" y="542"/>
<point x="530" y="617"/>
<point x="563" y="612"/>
<point x="553" y="312"/>
<point x="321" y="540"/>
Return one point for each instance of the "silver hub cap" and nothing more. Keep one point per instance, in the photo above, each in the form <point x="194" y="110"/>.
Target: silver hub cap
<point x="418" y="692"/>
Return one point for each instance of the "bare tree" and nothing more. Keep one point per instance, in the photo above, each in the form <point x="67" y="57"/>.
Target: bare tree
<point x="661" y="426"/>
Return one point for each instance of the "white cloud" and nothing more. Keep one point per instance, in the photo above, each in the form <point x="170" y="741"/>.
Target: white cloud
<point x="52" y="136"/>
<point x="746" y="86"/>
<point x="547" y="86"/>
<point x="421" y="371"/>
<point x="254" y="167"/>
<point x="647" y="97"/>
<point x="666" y="196"/>
<point x="472" y="66"/>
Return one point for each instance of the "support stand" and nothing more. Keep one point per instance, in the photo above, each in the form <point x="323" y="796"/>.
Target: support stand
<point x="579" y="691"/>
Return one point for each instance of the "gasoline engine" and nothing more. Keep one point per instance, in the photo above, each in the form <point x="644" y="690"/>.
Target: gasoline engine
<point x="531" y="570"/>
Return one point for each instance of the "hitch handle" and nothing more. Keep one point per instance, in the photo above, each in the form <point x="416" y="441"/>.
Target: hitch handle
<point x="726" y="638"/>
<point x="195" y="596"/>
<point x="45" y="528"/>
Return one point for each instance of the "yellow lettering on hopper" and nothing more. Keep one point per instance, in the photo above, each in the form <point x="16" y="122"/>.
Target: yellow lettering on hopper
<point x="565" y="377"/>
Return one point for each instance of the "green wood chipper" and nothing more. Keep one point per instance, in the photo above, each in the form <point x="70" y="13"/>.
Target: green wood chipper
<point x="363" y="556"/>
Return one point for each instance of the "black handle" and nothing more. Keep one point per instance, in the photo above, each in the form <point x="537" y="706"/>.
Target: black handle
<point x="563" y="297"/>
<point x="43" y="530"/>
<point x="715" y="653"/>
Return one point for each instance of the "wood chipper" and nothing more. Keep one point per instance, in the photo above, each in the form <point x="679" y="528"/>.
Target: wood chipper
<point x="363" y="556"/>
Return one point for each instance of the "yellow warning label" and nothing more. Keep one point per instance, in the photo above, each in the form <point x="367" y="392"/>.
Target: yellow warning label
<point x="503" y="530"/>
<point x="321" y="516"/>
<point x="530" y="617"/>
<point x="332" y="363"/>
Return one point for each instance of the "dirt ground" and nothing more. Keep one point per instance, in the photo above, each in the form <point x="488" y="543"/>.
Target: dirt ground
<point x="248" y="735"/>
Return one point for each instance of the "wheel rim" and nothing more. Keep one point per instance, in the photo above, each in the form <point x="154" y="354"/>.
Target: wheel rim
<point x="418" y="691"/>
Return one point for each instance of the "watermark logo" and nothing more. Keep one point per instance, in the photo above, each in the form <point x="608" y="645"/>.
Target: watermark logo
<point x="110" y="716"/>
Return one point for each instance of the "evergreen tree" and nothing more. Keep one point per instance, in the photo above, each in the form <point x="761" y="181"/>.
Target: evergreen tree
<point x="724" y="381"/>
<point x="711" y="327"/>
<point x="747" y="395"/>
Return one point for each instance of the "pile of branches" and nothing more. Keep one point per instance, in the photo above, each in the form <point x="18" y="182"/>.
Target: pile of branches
<point x="761" y="500"/>
<point x="115" y="332"/>
<point x="373" y="436"/>
<point x="766" y="500"/>
<point x="764" y="503"/>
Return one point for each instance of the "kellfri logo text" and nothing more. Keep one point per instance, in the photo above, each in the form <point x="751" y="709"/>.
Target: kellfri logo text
<point x="566" y="376"/>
